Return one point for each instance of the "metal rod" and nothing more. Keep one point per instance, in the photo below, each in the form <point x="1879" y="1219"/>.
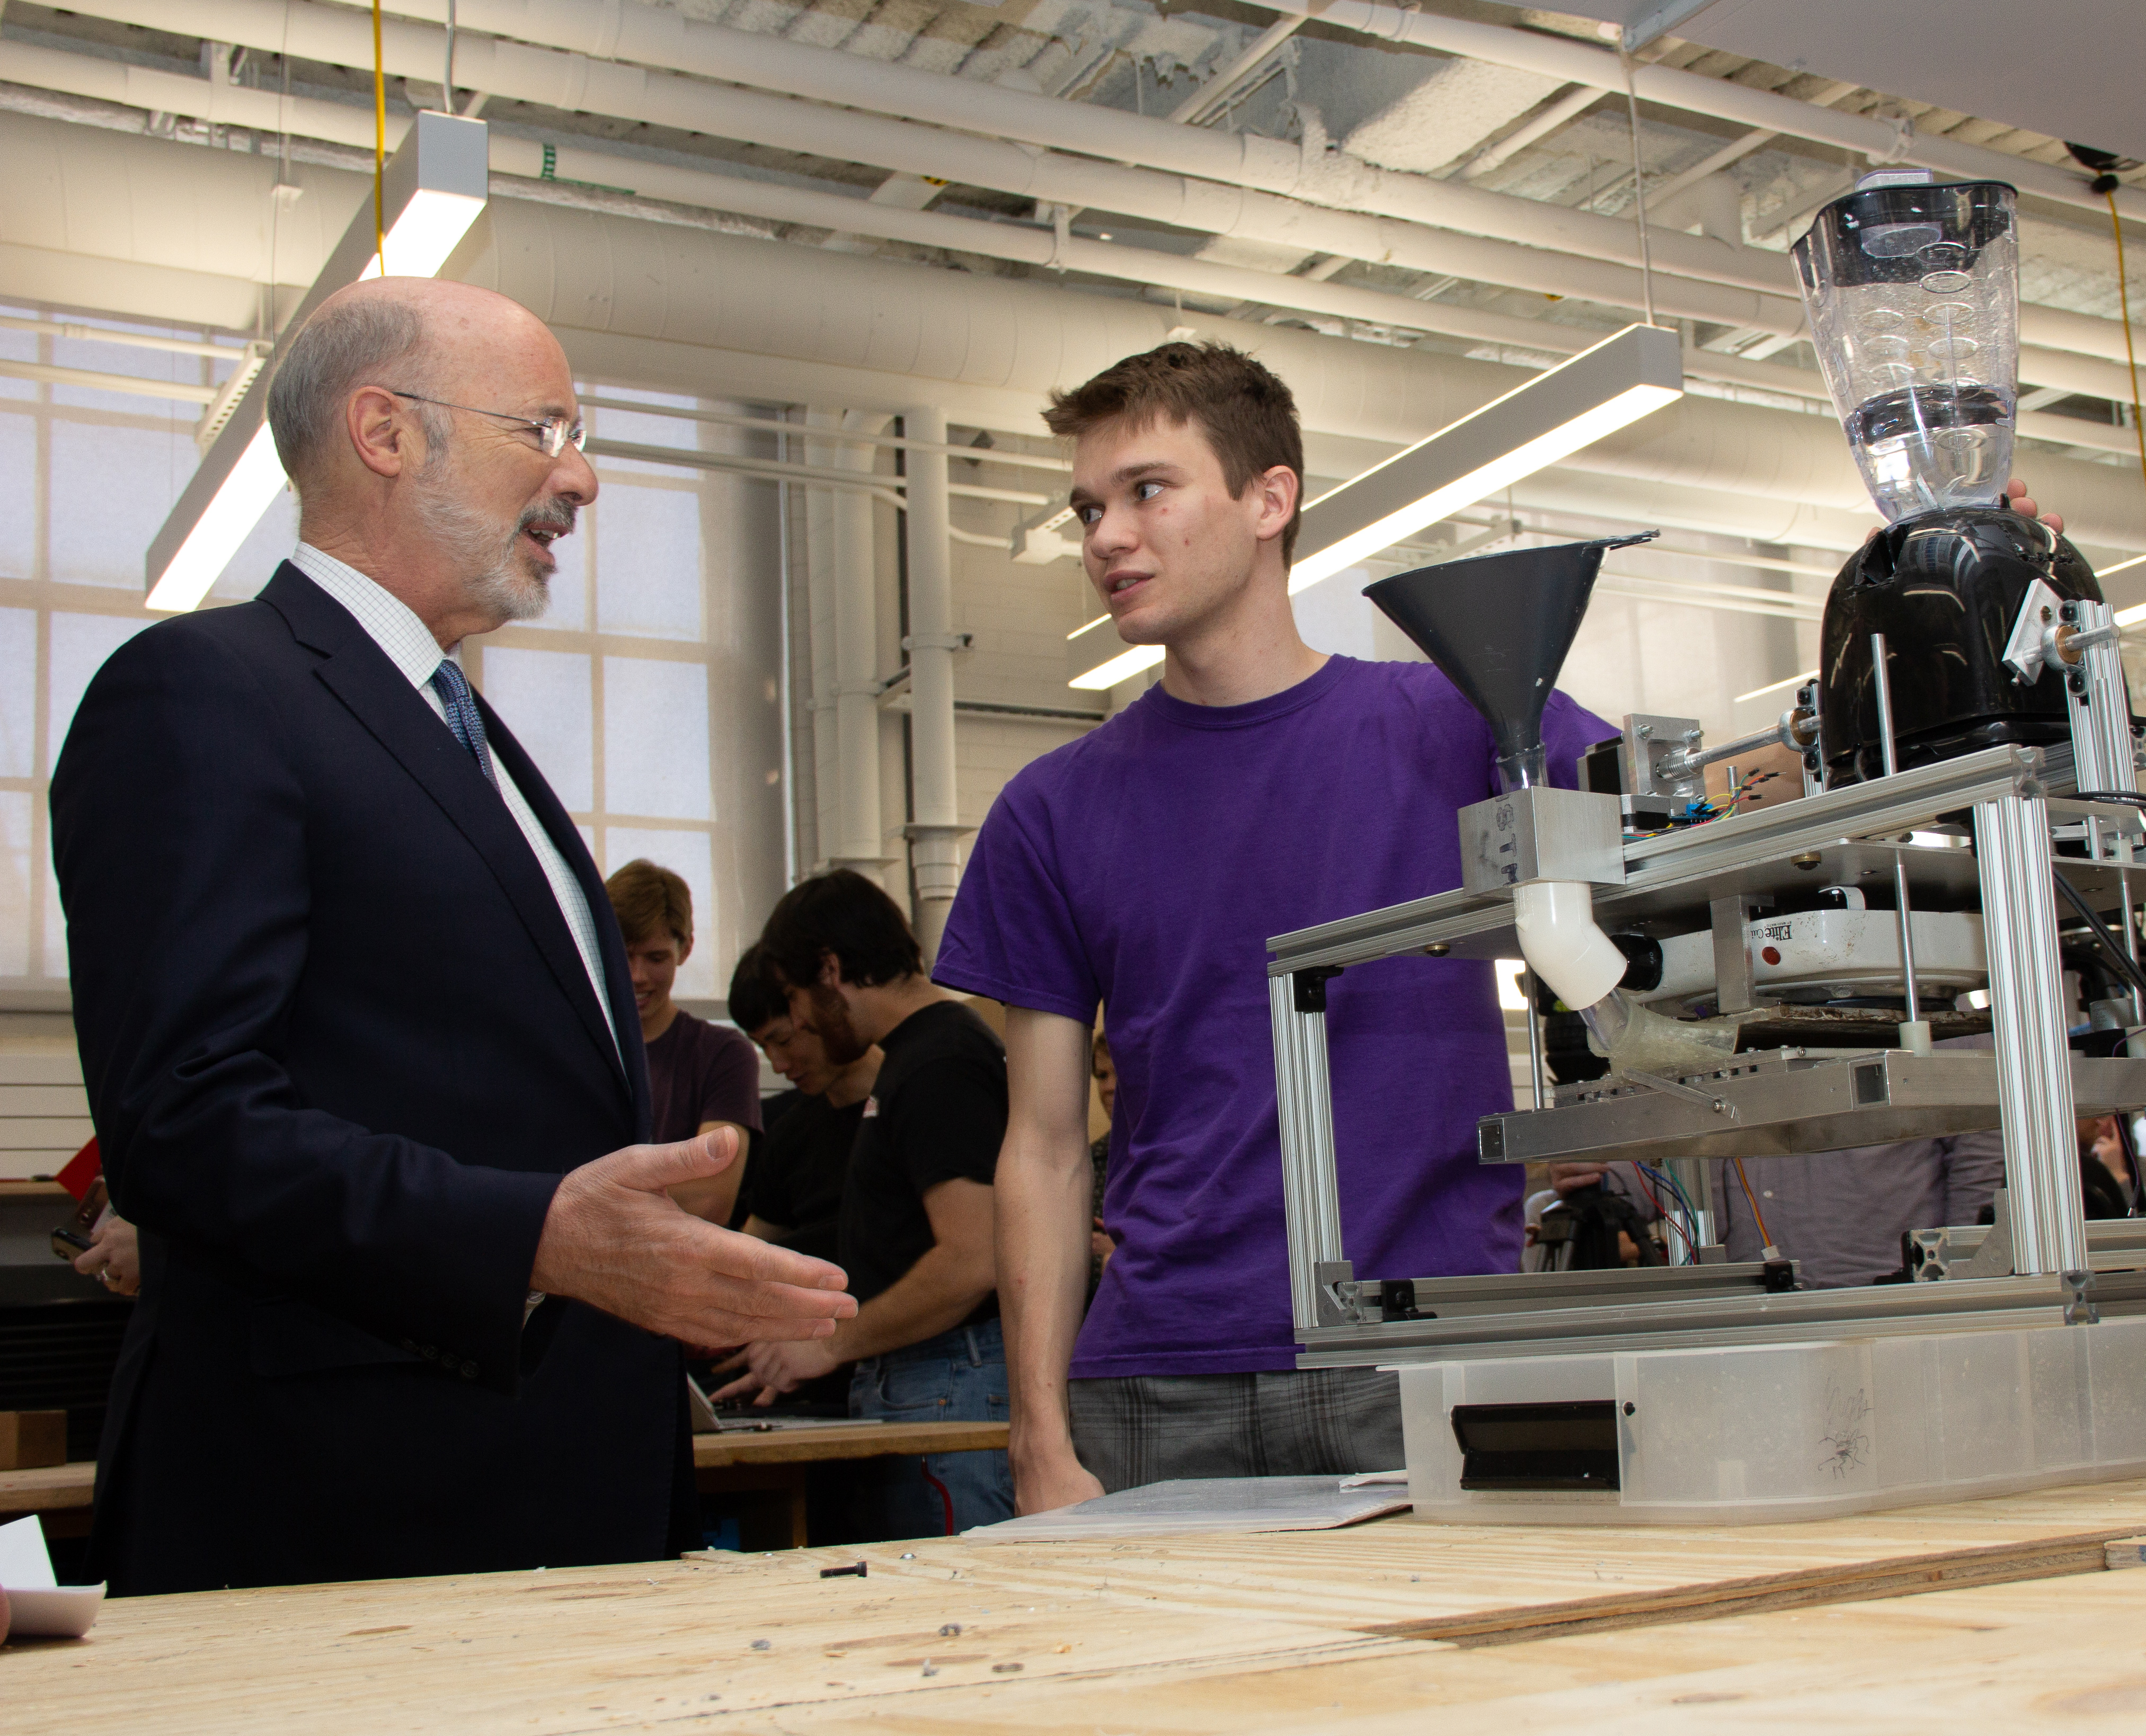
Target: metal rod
<point x="1677" y="764"/>
<point x="1534" y="1041"/>
<point x="2131" y="932"/>
<point x="1881" y="679"/>
<point x="1884" y="694"/>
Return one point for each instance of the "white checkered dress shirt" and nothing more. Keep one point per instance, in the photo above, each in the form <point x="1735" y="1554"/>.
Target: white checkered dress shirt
<point x="412" y="648"/>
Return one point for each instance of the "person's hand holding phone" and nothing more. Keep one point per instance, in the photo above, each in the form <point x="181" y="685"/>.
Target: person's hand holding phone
<point x="113" y="1256"/>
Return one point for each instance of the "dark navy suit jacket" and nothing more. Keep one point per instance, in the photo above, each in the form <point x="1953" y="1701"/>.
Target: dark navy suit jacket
<point x="339" y="1048"/>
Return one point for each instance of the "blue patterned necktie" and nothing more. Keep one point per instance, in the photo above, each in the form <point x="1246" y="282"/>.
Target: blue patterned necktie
<point x="463" y="717"/>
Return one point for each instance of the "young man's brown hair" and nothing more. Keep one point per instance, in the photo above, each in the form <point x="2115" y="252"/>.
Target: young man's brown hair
<point x="1246" y="413"/>
<point x="649" y="901"/>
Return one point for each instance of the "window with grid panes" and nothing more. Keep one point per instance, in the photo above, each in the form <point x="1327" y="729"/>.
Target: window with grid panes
<point x="650" y="694"/>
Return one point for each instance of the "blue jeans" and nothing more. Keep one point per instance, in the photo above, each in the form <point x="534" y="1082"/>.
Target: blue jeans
<point x="958" y="1377"/>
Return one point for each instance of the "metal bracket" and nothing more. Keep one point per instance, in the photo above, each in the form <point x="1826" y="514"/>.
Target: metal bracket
<point x="2080" y="1309"/>
<point x="1994" y="1258"/>
<point x="2025" y="652"/>
<point x="1308" y="987"/>
<point x="1327" y="1277"/>
<point x="1732" y="955"/>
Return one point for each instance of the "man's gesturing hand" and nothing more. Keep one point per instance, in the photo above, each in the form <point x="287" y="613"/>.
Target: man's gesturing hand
<point x="614" y="1239"/>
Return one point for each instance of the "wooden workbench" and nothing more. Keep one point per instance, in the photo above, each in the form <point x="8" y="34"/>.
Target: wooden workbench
<point x="773" y="1464"/>
<point x="1367" y="1629"/>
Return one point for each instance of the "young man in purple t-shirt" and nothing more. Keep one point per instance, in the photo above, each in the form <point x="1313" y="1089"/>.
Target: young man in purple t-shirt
<point x="1261" y="787"/>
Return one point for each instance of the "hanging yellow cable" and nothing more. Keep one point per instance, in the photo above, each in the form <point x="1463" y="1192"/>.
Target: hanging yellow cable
<point x="2123" y="305"/>
<point x="379" y="146"/>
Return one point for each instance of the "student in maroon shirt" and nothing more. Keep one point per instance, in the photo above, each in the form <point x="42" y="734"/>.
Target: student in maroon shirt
<point x="700" y="1075"/>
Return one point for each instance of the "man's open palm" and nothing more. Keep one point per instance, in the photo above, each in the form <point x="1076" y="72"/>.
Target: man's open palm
<point x="614" y="1240"/>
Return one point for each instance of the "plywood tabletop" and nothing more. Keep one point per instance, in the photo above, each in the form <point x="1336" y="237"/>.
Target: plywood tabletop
<point x="843" y="1440"/>
<point x="1248" y="1633"/>
<point x="60" y="1486"/>
<point x="47" y="1489"/>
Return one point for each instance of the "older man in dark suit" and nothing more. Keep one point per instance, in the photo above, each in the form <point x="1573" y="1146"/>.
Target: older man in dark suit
<point x="358" y="1031"/>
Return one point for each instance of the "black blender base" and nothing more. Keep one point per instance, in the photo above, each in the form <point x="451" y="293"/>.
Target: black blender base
<point x="1945" y="588"/>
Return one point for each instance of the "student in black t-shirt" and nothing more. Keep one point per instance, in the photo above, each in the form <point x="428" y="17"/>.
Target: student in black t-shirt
<point x="916" y="1232"/>
<point x="793" y="1193"/>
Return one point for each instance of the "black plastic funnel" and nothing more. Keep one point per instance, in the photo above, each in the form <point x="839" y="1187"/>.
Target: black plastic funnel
<point x="1500" y="627"/>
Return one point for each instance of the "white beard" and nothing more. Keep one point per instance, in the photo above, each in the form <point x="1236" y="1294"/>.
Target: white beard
<point x="494" y="575"/>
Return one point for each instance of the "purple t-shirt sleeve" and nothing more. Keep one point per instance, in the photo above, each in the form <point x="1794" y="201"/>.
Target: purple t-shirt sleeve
<point x="1012" y="935"/>
<point x="727" y="1077"/>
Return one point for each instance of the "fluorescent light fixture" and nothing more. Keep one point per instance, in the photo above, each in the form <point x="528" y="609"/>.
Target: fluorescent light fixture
<point x="1794" y="681"/>
<point x="1575" y="404"/>
<point x="1123" y="667"/>
<point x="224" y="520"/>
<point x="435" y="185"/>
<point x="1096" y="658"/>
<point x="2132" y="617"/>
<point x="1595" y="394"/>
<point x="431" y="227"/>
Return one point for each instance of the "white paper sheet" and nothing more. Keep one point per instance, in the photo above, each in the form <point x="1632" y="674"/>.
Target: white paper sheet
<point x="1193" y="1506"/>
<point x="37" y="1606"/>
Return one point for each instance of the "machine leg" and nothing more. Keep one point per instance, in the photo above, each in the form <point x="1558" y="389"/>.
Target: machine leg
<point x="2034" y="1061"/>
<point x="1304" y="1106"/>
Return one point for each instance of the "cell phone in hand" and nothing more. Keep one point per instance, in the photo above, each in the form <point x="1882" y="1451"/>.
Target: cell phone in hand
<point x="76" y="1235"/>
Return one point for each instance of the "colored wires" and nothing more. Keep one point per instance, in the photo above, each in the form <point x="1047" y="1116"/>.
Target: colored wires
<point x="1758" y="1217"/>
<point x="1668" y="1185"/>
<point x="1698" y="813"/>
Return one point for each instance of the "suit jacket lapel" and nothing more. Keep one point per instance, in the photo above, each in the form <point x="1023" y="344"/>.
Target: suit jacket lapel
<point x="359" y="674"/>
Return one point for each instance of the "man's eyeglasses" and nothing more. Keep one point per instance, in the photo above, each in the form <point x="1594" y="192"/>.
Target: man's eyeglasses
<point x="554" y="433"/>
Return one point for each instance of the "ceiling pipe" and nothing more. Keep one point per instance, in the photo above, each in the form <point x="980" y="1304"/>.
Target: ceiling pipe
<point x="582" y="270"/>
<point x="1218" y="183"/>
<point x="115" y="194"/>
<point x="132" y="185"/>
<point x="1204" y="104"/>
<point x="665" y="38"/>
<point x="1573" y="104"/>
<point x="859" y="841"/>
<point x="935" y="830"/>
<point x="1561" y="57"/>
<point x="1334" y="449"/>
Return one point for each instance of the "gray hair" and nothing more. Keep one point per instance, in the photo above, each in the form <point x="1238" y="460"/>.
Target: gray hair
<point x="341" y="348"/>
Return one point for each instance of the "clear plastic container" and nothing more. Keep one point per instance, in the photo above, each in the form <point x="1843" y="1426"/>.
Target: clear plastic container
<point x="1913" y="290"/>
<point x="1799" y="1431"/>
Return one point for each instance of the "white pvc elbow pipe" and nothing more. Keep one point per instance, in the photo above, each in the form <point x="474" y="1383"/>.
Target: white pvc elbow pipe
<point x="1561" y="943"/>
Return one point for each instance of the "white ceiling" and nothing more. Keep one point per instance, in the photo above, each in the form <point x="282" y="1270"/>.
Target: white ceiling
<point x="2069" y="68"/>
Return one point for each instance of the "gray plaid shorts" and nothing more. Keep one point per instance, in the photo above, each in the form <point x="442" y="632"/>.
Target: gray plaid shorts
<point x="1138" y="1429"/>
